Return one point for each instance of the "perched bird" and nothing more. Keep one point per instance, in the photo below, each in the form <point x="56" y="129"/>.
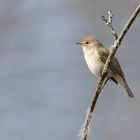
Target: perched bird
<point x="95" y="55"/>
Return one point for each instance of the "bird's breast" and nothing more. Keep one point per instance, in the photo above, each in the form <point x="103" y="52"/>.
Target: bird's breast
<point x="93" y="61"/>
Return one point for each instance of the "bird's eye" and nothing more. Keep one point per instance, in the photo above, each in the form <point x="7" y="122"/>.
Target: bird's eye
<point x="86" y="42"/>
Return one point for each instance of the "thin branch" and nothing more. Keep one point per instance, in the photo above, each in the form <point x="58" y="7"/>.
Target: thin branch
<point x="110" y="16"/>
<point x="85" y="128"/>
<point x="109" y="23"/>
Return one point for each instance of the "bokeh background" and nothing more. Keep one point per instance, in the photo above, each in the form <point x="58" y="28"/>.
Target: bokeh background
<point x="45" y="85"/>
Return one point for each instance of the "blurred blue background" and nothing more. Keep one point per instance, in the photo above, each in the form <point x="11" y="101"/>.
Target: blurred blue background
<point x="45" y="85"/>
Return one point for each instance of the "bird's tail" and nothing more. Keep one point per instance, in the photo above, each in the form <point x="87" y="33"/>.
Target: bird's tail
<point x="126" y="87"/>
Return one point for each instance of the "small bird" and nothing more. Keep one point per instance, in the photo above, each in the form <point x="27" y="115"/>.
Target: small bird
<point x="95" y="55"/>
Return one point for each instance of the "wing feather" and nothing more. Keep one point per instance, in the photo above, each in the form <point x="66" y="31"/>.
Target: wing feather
<point x="114" y="65"/>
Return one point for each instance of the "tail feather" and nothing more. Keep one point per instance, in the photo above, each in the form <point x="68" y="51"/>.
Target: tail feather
<point x="126" y="87"/>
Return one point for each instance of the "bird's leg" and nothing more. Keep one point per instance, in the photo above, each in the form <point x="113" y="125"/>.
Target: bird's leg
<point x="105" y="82"/>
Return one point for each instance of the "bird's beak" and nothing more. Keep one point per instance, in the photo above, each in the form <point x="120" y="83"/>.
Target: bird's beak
<point x="78" y="43"/>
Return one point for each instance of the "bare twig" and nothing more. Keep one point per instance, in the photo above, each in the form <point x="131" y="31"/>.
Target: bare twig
<point x="85" y="128"/>
<point x="110" y="16"/>
<point x="110" y="24"/>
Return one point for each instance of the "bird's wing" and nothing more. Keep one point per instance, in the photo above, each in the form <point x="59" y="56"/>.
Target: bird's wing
<point x="114" y="65"/>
